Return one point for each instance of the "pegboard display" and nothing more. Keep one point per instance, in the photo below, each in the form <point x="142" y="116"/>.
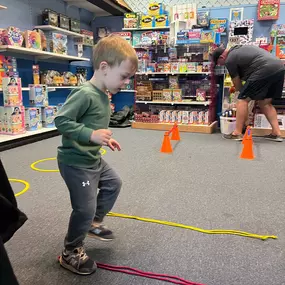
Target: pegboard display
<point x="141" y="6"/>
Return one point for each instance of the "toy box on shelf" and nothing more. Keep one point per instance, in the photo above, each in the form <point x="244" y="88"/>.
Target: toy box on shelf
<point x="278" y="40"/>
<point x="48" y="115"/>
<point x="33" y="39"/>
<point x="38" y="95"/>
<point x="33" y="117"/>
<point x="57" y="43"/>
<point x="87" y="40"/>
<point x="12" y="120"/>
<point x="12" y="91"/>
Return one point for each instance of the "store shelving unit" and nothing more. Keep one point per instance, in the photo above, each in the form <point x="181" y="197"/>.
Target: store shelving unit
<point x="206" y="129"/>
<point x="146" y="29"/>
<point x="60" y="30"/>
<point x="39" y="54"/>
<point x="202" y="103"/>
<point x="11" y="141"/>
<point x="161" y="104"/>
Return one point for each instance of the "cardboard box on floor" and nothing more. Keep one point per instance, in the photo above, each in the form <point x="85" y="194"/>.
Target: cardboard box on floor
<point x="261" y="122"/>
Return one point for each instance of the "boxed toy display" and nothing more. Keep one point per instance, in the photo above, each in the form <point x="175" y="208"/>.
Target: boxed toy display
<point x="161" y="21"/>
<point x="12" y="91"/>
<point x="58" y="43"/>
<point x="75" y="25"/>
<point x="48" y="115"/>
<point x="8" y="67"/>
<point x="63" y="22"/>
<point x="131" y="20"/>
<point x="13" y="120"/>
<point x="147" y="21"/>
<point x="33" y="39"/>
<point x="50" y="17"/>
<point x="33" y="118"/>
<point x="155" y="9"/>
<point x="38" y="95"/>
<point x="12" y="36"/>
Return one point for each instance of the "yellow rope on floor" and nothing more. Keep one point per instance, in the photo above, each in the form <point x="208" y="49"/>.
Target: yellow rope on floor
<point x="215" y="231"/>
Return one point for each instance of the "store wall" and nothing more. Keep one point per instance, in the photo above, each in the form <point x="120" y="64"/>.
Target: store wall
<point x="261" y="28"/>
<point x="25" y="14"/>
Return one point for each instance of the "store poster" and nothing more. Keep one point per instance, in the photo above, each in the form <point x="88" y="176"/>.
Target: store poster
<point x="236" y="14"/>
<point x="219" y="25"/>
<point x="268" y="10"/>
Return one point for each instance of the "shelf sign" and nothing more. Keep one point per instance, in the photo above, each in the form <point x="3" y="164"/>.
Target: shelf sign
<point x="268" y="10"/>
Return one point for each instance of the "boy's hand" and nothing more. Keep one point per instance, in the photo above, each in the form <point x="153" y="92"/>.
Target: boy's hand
<point x="101" y="137"/>
<point x="113" y="144"/>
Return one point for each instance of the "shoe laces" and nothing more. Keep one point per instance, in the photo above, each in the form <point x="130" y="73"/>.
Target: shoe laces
<point x="81" y="252"/>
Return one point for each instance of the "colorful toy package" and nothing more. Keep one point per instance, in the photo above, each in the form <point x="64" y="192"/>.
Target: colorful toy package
<point x="201" y="95"/>
<point x="48" y="115"/>
<point x="14" y="120"/>
<point x="147" y="21"/>
<point x="8" y="67"/>
<point x="156" y="9"/>
<point x="219" y="25"/>
<point x="268" y="10"/>
<point x="12" y="91"/>
<point x="58" y="43"/>
<point x="33" y="118"/>
<point x="203" y="19"/>
<point x="12" y="36"/>
<point x="161" y="21"/>
<point x="33" y="39"/>
<point x="38" y="95"/>
<point x="131" y="20"/>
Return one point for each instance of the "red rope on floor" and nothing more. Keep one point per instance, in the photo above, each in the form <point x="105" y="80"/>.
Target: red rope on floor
<point x="151" y="275"/>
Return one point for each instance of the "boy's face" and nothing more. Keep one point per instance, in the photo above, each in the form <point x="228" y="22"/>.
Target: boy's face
<point x="117" y="77"/>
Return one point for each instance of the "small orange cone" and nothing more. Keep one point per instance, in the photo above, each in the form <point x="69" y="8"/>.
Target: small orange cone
<point x="175" y="133"/>
<point x="247" y="152"/>
<point x="166" y="144"/>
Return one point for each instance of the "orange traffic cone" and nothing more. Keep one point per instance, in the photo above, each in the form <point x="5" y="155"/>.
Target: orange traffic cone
<point x="247" y="152"/>
<point x="166" y="144"/>
<point x="175" y="133"/>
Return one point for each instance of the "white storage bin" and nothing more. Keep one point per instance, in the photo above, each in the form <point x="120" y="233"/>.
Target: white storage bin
<point x="227" y="124"/>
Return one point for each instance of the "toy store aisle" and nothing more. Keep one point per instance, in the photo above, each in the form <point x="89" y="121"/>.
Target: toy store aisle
<point x="203" y="184"/>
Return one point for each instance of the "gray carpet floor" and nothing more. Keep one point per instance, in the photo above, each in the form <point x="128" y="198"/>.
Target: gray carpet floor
<point x="203" y="184"/>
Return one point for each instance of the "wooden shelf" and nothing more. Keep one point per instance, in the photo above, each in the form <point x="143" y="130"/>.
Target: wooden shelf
<point x="258" y="132"/>
<point x="145" y="29"/>
<point x="205" y="129"/>
<point x="60" y="30"/>
<point x="40" y="54"/>
<point x="205" y="103"/>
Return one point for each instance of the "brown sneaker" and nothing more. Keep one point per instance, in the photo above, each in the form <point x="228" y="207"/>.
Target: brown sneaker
<point x="233" y="137"/>
<point x="77" y="261"/>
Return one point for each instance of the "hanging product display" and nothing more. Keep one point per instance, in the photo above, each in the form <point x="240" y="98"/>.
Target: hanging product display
<point x="268" y="10"/>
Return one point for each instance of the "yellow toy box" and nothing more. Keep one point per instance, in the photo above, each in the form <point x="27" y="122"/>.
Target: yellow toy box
<point x="161" y="21"/>
<point x="147" y="21"/>
<point x="155" y="9"/>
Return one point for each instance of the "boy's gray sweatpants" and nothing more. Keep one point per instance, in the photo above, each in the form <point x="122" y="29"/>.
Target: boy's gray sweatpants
<point x="83" y="184"/>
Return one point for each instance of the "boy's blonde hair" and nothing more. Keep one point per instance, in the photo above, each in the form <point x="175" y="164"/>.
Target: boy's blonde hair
<point x="113" y="49"/>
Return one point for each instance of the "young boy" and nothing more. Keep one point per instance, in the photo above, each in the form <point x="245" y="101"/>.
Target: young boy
<point x="83" y="122"/>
